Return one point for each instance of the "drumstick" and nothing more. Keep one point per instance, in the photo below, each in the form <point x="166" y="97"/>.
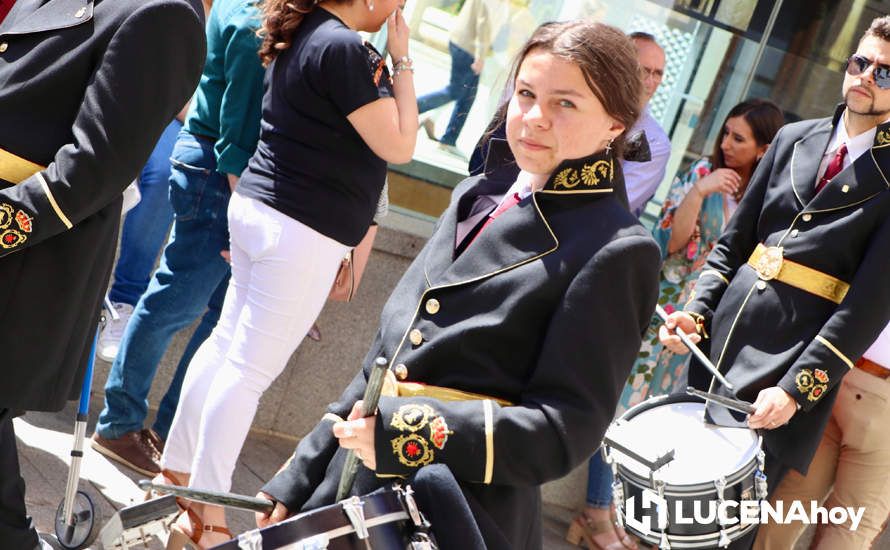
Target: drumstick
<point x="695" y="351"/>
<point x="728" y="402"/>
<point x="369" y="407"/>
<point x="230" y="500"/>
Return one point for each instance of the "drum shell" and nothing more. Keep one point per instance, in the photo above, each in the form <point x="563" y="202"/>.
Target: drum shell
<point x="739" y="486"/>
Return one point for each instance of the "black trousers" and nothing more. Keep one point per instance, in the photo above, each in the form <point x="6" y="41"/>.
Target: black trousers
<point x="444" y="504"/>
<point x="16" y="529"/>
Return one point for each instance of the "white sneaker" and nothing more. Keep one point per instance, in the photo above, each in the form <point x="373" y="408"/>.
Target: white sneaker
<point x="113" y="331"/>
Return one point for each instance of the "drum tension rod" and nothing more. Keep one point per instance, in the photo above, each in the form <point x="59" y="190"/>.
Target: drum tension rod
<point x="355" y="511"/>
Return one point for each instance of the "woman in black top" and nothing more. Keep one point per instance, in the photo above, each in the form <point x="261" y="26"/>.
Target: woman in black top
<point x="332" y="118"/>
<point x="509" y="340"/>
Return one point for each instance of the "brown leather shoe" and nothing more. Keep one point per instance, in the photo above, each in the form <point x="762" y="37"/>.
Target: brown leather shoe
<point x="155" y="439"/>
<point x="133" y="450"/>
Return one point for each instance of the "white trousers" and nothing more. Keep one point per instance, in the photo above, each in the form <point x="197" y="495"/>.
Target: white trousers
<point x="282" y="272"/>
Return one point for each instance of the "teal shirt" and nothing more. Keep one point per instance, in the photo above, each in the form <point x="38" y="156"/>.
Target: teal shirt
<point x="227" y="104"/>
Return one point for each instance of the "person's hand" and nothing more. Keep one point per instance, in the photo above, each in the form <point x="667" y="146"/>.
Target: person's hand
<point x="669" y="338"/>
<point x="477" y="65"/>
<point x="357" y="433"/>
<point x="226" y="255"/>
<point x="722" y="180"/>
<point x="774" y="408"/>
<point x="278" y="514"/>
<point x="397" y="35"/>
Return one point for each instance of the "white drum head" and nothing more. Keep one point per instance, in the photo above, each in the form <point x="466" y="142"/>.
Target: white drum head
<point x="702" y="452"/>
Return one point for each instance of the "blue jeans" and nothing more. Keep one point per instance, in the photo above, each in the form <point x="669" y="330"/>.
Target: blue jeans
<point x="461" y="89"/>
<point x="146" y="225"/>
<point x="599" y="482"/>
<point x="192" y="277"/>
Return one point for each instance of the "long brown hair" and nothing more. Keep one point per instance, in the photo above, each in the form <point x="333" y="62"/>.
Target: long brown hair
<point x="280" y="19"/>
<point x="607" y="59"/>
<point x="763" y="116"/>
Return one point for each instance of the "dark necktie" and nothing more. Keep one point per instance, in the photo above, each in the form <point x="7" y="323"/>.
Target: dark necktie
<point x="834" y="167"/>
<point x="504" y="206"/>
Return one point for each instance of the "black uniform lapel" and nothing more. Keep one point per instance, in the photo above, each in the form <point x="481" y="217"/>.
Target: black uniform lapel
<point x="860" y="181"/>
<point x="31" y="16"/>
<point x="805" y="161"/>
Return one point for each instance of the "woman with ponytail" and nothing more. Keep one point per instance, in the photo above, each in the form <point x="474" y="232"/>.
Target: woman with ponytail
<point x="333" y="116"/>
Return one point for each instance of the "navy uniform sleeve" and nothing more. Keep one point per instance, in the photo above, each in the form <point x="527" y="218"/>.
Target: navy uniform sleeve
<point x="360" y="77"/>
<point x="851" y="329"/>
<point x="138" y="86"/>
<point x="587" y="353"/>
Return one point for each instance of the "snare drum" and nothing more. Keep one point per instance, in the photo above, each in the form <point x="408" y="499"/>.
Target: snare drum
<point x="709" y="465"/>
<point x="386" y="519"/>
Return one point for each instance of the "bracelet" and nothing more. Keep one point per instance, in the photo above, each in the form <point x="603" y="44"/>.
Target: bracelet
<point x="400" y="70"/>
<point x="404" y="63"/>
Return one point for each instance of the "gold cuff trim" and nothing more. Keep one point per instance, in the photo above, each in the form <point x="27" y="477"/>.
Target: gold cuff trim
<point x="52" y="201"/>
<point x="714" y="273"/>
<point x="699" y="323"/>
<point x="15" y="168"/>
<point x="836" y="351"/>
<point x="416" y="389"/>
<point x="489" y="441"/>
<point x="332" y="417"/>
<point x="769" y="264"/>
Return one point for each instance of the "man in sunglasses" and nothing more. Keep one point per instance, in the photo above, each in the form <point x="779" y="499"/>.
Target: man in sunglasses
<point x="796" y="289"/>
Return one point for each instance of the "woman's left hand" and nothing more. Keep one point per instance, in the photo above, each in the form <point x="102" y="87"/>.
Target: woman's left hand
<point x="397" y="35"/>
<point x="774" y="408"/>
<point x="357" y="433"/>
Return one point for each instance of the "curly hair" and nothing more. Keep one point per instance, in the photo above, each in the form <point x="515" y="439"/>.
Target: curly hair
<point x="280" y="19"/>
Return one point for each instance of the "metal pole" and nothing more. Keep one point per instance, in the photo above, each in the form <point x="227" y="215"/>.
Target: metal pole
<point x="767" y="32"/>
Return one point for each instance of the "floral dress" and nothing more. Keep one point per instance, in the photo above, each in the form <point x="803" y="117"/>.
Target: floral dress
<point x="658" y="371"/>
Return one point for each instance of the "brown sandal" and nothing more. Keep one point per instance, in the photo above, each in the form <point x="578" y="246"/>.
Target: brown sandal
<point x="178" y="538"/>
<point x="166" y="477"/>
<point x="584" y="530"/>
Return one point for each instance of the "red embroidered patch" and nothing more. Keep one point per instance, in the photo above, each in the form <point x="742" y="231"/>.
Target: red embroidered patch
<point x="23" y="221"/>
<point x="439" y="432"/>
<point x="821" y="376"/>
<point x="11" y="238"/>
<point x="412" y="449"/>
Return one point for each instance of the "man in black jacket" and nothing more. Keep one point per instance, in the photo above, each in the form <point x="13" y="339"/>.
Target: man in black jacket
<point x="86" y="87"/>
<point x="796" y="289"/>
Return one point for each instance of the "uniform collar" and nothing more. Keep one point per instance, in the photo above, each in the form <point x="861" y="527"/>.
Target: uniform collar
<point x="29" y="17"/>
<point x="592" y="174"/>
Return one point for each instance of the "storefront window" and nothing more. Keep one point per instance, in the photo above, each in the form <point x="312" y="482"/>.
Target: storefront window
<point x="718" y="53"/>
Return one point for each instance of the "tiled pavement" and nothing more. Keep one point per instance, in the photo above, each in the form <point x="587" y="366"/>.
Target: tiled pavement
<point x="45" y="442"/>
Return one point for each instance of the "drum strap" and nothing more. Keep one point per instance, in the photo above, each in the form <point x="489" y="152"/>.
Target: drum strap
<point x="769" y="264"/>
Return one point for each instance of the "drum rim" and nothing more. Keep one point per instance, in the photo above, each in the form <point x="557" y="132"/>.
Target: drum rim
<point x="695" y="541"/>
<point x="696" y="488"/>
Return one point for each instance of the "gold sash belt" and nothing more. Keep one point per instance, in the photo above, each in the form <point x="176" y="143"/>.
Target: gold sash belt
<point x="416" y="389"/>
<point x="769" y="264"/>
<point x="16" y="169"/>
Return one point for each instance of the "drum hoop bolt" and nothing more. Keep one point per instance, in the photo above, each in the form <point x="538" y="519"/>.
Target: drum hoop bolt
<point x="355" y="511"/>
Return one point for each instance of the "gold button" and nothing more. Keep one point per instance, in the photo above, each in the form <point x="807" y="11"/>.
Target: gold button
<point x="845" y="189"/>
<point x="807" y="217"/>
<point x="761" y="285"/>
<point x="416" y="337"/>
<point x="794" y="232"/>
<point x="401" y="371"/>
<point x="3" y="47"/>
<point x="79" y="13"/>
<point x="432" y="306"/>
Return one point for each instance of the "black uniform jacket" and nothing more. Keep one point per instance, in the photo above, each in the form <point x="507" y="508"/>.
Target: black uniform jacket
<point x="86" y="88"/>
<point x="544" y="310"/>
<point x="765" y="332"/>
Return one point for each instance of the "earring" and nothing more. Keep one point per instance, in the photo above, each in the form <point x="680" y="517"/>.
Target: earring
<point x="371" y="6"/>
<point x="609" y="146"/>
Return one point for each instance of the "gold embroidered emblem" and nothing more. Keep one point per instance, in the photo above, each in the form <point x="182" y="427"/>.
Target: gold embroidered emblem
<point x="883" y="137"/>
<point x="412" y="417"/>
<point x="590" y="175"/>
<point x="412" y="450"/>
<point x="439" y="432"/>
<point x="769" y="264"/>
<point x="821" y="376"/>
<point x="12" y="238"/>
<point x="804" y="380"/>
<point x="817" y="392"/>
<point x="23" y="221"/>
<point x="568" y="178"/>
<point x="6" y="215"/>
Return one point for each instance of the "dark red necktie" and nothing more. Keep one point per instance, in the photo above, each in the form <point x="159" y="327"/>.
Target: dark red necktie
<point x="504" y="206"/>
<point x="5" y="6"/>
<point x="834" y="167"/>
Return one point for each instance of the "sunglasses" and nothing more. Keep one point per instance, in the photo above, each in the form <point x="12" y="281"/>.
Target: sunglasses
<point x="857" y="64"/>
